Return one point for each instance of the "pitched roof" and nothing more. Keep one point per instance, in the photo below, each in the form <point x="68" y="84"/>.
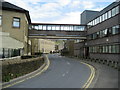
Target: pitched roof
<point x="11" y="7"/>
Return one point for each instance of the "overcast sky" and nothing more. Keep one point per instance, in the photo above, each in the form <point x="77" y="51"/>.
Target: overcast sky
<point x="59" y="11"/>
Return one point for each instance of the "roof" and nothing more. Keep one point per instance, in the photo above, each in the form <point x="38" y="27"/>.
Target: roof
<point x="56" y="24"/>
<point x="11" y="7"/>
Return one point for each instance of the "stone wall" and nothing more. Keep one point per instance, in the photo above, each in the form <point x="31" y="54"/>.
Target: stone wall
<point x="17" y="67"/>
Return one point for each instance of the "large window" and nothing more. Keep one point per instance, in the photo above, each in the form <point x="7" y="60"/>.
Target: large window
<point x="0" y="20"/>
<point x="16" y="22"/>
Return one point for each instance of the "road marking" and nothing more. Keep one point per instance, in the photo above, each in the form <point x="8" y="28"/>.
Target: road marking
<point x="68" y="63"/>
<point x="63" y="75"/>
<point x="92" y="75"/>
<point x="44" y="69"/>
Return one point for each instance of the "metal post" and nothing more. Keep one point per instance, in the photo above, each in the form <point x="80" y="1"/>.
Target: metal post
<point x="3" y="55"/>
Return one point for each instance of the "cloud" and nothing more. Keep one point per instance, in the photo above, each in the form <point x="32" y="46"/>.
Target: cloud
<point x="69" y="18"/>
<point x="57" y="11"/>
<point x="88" y="4"/>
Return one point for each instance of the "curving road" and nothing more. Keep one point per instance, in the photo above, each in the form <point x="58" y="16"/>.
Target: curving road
<point x="62" y="73"/>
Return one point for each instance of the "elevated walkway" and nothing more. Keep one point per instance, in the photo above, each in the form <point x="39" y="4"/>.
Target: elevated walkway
<point x="57" y="31"/>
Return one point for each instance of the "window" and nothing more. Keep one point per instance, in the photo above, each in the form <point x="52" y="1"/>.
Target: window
<point x="95" y="21"/>
<point x="103" y="17"/>
<point x="98" y="34"/>
<point x="113" y="49"/>
<point x="106" y="16"/>
<point x="105" y="32"/>
<point x="57" y="27"/>
<point x="36" y="27"/>
<point x="71" y="28"/>
<point x="109" y="14"/>
<point x="109" y="31"/>
<point x="101" y="49"/>
<point x="115" y="30"/>
<point x="44" y="27"/>
<point x="94" y="35"/>
<point x="0" y="20"/>
<point x="16" y="22"/>
<point x="117" y="48"/>
<point x="40" y="27"/>
<point x="110" y="49"/>
<point x="53" y="27"/>
<point x="100" y="18"/>
<point x="104" y="49"/>
<point x="117" y="9"/>
<point x="62" y="27"/>
<point x="113" y="12"/>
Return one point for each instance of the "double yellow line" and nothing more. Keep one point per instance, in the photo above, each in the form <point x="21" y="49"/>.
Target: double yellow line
<point x="20" y="81"/>
<point x="90" y="79"/>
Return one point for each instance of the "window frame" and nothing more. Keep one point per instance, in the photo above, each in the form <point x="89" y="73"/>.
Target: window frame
<point x="19" y="22"/>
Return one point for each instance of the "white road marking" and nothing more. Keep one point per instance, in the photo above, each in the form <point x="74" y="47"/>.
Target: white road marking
<point x="67" y="72"/>
<point x="63" y="75"/>
<point x="68" y="63"/>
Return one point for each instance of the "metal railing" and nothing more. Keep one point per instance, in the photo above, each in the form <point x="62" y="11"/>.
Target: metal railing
<point x="7" y="53"/>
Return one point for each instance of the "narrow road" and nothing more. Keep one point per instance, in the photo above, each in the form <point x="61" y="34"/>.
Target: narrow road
<point x="62" y="73"/>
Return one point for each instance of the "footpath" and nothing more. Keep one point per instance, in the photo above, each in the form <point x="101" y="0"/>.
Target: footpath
<point x="105" y="76"/>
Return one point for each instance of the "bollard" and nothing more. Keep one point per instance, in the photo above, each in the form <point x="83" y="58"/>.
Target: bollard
<point x="110" y="63"/>
<point x="105" y="62"/>
<point x="99" y="61"/>
<point x="113" y="63"/>
<point x="95" y="60"/>
<point x="116" y="65"/>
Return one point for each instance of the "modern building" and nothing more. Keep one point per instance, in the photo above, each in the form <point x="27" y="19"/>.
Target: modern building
<point x="14" y="23"/>
<point x="103" y="34"/>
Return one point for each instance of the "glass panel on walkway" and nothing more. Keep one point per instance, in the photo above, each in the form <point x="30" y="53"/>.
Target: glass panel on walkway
<point x="64" y="27"/>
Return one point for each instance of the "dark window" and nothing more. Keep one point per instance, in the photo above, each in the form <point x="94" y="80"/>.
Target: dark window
<point x="115" y="29"/>
<point x="16" y="22"/>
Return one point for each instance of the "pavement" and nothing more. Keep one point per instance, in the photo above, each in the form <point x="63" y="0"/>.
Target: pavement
<point x="106" y="76"/>
<point x="63" y="72"/>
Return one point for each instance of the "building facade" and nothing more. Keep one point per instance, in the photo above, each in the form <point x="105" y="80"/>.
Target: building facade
<point x="14" y="23"/>
<point x="46" y="46"/>
<point x="103" y="34"/>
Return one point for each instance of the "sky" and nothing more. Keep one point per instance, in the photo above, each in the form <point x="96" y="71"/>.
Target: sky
<point x="59" y="11"/>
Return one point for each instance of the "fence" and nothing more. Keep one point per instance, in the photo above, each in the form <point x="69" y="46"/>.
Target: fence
<point x="6" y="53"/>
